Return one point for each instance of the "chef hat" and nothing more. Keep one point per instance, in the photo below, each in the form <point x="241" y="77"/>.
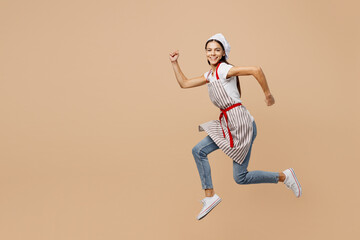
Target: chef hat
<point x="225" y="43"/>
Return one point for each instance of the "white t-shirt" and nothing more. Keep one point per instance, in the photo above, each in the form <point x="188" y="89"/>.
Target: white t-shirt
<point x="229" y="84"/>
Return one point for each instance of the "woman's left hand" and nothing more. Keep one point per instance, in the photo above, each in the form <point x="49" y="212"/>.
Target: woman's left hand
<point x="269" y="100"/>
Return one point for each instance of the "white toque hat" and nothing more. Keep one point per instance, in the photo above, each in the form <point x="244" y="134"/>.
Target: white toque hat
<point x="225" y="43"/>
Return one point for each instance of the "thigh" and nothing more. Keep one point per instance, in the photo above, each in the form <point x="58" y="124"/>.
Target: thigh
<point x="240" y="168"/>
<point x="205" y="146"/>
<point x="254" y="130"/>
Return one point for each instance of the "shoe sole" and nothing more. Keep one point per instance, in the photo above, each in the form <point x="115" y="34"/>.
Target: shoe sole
<point x="297" y="181"/>
<point x="211" y="207"/>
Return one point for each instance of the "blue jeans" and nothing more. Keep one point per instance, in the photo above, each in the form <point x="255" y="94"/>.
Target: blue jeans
<point x="240" y="172"/>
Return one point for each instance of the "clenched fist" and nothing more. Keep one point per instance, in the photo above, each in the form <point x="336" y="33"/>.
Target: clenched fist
<point x="174" y="56"/>
<point x="269" y="100"/>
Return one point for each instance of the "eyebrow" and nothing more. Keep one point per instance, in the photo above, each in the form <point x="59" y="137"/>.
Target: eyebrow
<point x="215" y="48"/>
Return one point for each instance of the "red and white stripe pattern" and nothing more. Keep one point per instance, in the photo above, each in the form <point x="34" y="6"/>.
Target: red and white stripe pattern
<point x="239" y="123"/>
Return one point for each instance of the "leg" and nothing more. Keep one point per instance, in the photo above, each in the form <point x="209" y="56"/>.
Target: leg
<point x="243" y="176"/>
<point x="200" y="152"/>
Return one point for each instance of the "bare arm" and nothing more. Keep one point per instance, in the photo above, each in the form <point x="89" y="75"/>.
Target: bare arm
<point x="260" y="77"/>
<point x="183" y="81"/>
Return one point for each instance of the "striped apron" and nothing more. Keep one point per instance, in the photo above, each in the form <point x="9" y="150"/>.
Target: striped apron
<point x="232" y="133"/>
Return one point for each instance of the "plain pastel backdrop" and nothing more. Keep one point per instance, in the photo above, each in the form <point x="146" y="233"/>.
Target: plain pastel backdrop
<point x="96" y="134"/>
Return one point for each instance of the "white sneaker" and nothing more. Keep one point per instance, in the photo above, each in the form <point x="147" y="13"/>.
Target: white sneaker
<point x="292" y="182"/>
<point x="208" y="204"/>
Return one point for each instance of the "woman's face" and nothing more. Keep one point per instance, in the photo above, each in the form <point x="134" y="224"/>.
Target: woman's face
<point x="214" y="52"/>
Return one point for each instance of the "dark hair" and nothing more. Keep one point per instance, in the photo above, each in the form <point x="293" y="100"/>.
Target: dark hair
<point x="224" y="60"/>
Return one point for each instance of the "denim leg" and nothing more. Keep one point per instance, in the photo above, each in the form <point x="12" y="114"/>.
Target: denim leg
<point x="200" y="152"/>
<point x="243" y="176"/>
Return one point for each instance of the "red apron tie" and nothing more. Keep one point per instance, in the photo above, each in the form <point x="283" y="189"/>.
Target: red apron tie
<point x="223" y="112"/>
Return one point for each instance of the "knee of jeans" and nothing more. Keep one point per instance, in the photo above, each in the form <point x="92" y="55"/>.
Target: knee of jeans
<point x="195" y="150"/>
<point x="199" y="151"/>
<point x="240" y="178"/>
<point x="254" y="131"/>
<point x="255" y="134"/>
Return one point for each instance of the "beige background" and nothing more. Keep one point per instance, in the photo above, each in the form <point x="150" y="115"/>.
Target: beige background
<point x="96" y="134"/>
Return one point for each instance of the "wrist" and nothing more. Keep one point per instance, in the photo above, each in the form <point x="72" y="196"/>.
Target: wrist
<point x="267" y="94"/>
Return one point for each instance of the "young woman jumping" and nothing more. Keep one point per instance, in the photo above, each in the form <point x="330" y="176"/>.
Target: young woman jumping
<point x="235" y="131"/>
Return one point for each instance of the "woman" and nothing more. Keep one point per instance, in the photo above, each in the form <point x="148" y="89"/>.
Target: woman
<point x="235" y="130"/>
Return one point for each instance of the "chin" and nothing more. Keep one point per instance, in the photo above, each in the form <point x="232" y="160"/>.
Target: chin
<point x="214" y="62"/>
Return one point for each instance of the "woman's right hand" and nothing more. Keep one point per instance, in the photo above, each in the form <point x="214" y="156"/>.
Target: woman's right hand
<point x="269" y="99"/>
<point x="174" y="56"/>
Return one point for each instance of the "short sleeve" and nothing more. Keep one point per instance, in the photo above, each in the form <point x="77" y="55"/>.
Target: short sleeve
<point x="205" y="74"/>
<point x="223" y="70"/>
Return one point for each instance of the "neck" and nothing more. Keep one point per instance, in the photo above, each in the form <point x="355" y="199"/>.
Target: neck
<point x="213" y="67"/>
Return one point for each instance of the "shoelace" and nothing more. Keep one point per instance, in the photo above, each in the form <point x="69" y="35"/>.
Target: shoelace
<point x="291" y="185"/>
